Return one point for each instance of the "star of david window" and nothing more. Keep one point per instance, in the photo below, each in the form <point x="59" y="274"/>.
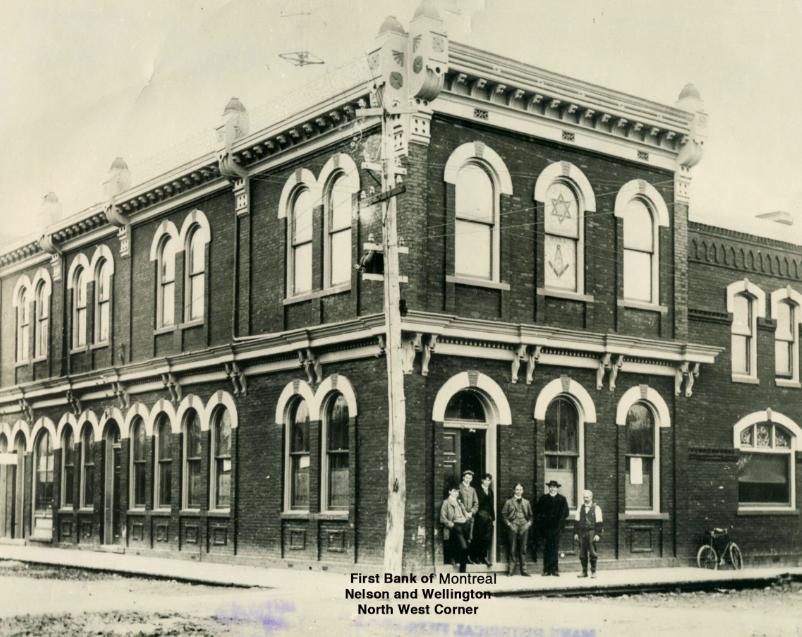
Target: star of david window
<point x="563" y="239"/>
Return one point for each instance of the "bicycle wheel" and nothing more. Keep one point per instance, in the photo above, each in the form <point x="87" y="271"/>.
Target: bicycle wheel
<point x="707" y="558"/>
<point x="734" y="556"/>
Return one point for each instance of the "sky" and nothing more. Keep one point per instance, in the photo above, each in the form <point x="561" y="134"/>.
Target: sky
<point x="86" y="81"/>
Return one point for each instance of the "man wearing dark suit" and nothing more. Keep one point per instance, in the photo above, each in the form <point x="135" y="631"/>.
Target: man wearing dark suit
<point x="517" y="516"/>
<point x="552" y="512"/>
<point x="481" y="545"/>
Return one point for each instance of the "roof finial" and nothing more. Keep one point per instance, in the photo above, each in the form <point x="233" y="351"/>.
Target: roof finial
<point x="236" y="122"/>
<point x="50" y="211"/>
<point x="119" y="179"/>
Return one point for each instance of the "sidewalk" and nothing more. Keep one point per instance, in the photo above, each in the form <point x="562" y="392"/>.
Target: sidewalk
<point x="620" y="581"/>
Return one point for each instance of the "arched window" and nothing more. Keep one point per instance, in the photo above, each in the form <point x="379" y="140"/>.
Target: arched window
<point x="23" y="324"/>
<point x="192" y="460"/>
<point x="163" y="463"/>
<point x="785" y="309"/>
<point x="335" y="469"/>
<point x="195" y="280"/>
<point x="562" y="447"/>
<point x="300" y="279"/>
<point x="43" y="472"/>
<point x="87" y="467"/>
<point x="138" y="464"/>
<point x="465" y="407"/>
<point x="743" y="332"/>
<point x="298" y="457"/>
<point x="221" y="465"/>
<point x="640" y="455"/>
<point x="165" y="285"/>
<point x="640" y="253"/>
<point x="338" y="232"/>
<point x="102" y="302"/>
<point x="68" y="468"/>
<point x="563" y="242"/>
<point x="79" y="285"/>
<point x="42" y="317"/>
<point x="766" y="466"/>
<point x="476" y="225"/>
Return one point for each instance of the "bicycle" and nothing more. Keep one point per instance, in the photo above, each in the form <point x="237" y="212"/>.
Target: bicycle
<point x="717" y="548"/>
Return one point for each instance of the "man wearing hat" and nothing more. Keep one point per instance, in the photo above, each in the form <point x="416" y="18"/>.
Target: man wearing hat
<point x="551" y="513"/>
<point x="469" y="499"/>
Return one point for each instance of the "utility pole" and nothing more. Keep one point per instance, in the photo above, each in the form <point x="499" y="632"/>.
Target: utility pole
<point x="408" y="72"/>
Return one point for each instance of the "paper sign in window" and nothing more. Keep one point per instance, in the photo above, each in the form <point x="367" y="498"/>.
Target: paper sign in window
<point x="226" y="464"/>
<point x="636" y="470"/>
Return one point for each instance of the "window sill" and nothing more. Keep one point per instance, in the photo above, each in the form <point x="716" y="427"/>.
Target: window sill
<point x="748" y="380"/>
<point x="160" y="512"/>
<point x="788" y="382"/>
<point x="367" y="276"/>
<point x="296" y="515"/>
<point x="86" y="510"/>
<point x="24" y="363"/>
<point x="565" y="294"/>
<point x="332" y="515"/>
<point x="189" y="324"/>
<point x="642" y="515"/>
<point x="189" y="513"/>
<point x="641" y="305"/>
<point x="478" y="283"/>
<point x="766" y="511"/>
<point x="308" y="296"/>
<point x="79" y="350"/>
<point x="40" y="359"/>
<point x="142" y="511"/>
<point x="164" y="330"/>
<point x="218" y="513"/>
<point x="100" y="345"/>
<point x="67" y="509"/>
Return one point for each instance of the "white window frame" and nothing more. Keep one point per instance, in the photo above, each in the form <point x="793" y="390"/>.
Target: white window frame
<point x="652" y="399"/>
<point x="292" y="246"/>
<point x="794" y="299"/>
<point x="157" y="422"/>
<point x="324" y="449"/>
<point x="102" y="302"/>
<point x="481" y="155"/>
<point x="580" y="459"/>
<point x="22" y="305"/>
<point x="757" y="299"/>
<point x="646" y="193"/>
<point x="774" y="418"/>
<point x="289" y="419"/>
<point x="42" y="288"/>
<point x="137" y="421"/>
<point x="340" y="169"/>
<point x="215" y="423"/>
<point x="185" y="459"/>
<point x="655" y="477"/>
<point x="193" y="305"/>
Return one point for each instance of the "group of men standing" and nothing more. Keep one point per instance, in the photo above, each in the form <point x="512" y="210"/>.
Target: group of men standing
<point x="468" y="515"/>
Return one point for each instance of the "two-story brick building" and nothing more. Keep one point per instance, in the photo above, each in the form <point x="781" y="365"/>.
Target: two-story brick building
<point x="196" y="368"/>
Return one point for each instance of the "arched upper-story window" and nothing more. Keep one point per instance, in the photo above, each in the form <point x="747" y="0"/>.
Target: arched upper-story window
<point x="643" y="211"/>
<point x="22" y="302"/>
<point x="103" y="272"/>
<point x="479" y="177"/>
<point x="746" y="302"/>
<point x="163" y="462"/>
<point x="165" y="286"/>
<point x="195" y="275"/>
<point x="338" y="212"/>
<point x="68" y="468"/>
<point x="566" y="195"/>
<point x="42" y="318"/>
<point x="138" y="464"/>
<point x="336" y="457"/>
<point x="79" y="309"/>
<point x="192" y="460"/>
<point x="43" y="472"/>
<point x="300" y="242"/>
<point x="87" y="467"/>
<point x="767" y="444"/>
<point x="562" y="448"/>
<point x="786" y="304"/>
<point x="298" y="457"/>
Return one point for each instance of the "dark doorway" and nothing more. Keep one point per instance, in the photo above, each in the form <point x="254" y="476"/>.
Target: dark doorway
<point x="111" y="485"/>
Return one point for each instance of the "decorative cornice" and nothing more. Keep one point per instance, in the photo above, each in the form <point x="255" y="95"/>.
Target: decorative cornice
<point x="493" y="79"/>
<point x="758" y="240"/>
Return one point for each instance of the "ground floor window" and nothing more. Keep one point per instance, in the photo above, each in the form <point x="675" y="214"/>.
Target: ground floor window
<point x="765" y="466"/>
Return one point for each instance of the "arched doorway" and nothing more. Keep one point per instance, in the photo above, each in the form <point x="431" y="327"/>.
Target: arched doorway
<point x="112" y="531"/>
<point x="464" y="437"/>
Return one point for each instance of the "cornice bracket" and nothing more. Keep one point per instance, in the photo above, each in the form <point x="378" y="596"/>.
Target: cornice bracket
<point x="311" y="365"/>
<point x="239" y="382"/>
<point x="172" y="385"/>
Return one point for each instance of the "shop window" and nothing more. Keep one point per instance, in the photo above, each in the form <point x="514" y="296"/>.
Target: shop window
<point x="765" y="466"/>
<point x="138" y="464"/>
<point x="640" y="465"/>
<point x="335" y="468"/>
<point x="299" y="457"/>
<point x="562" y="447"/>
<point x="221" y="467"/>
<point x="192" y="461"/>
<point x="67" y="468"/>
<point x="163" y="464"/>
